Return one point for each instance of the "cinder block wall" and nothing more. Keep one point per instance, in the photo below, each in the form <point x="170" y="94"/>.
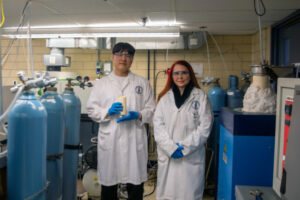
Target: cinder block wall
<point x="239" y="52"/>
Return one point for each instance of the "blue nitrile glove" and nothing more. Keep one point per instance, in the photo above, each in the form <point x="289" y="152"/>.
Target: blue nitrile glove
<point x="132" y="115"/>
<point x="115" y="108"/>
<point x="177" y="153"/>
<point x="179" y="147"/>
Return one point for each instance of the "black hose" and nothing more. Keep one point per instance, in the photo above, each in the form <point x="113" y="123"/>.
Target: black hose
<point x="155" y="81"/>
<point x="263" y="6"/>
<point x="154" y="187"/>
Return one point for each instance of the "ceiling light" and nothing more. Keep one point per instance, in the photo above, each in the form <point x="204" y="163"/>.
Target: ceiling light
<point x="162" y="23"/>
<point x="94" y="35"/>
<point x="44" y="32"/>
<point x="104" y="25"/>
<point x="154" y="29"/>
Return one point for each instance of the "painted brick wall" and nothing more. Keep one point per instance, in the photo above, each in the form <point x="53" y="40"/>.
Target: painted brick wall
<point x="239" y="52"/>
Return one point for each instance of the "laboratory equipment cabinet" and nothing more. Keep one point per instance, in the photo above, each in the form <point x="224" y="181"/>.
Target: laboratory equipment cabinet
<point x="246" y="151"/>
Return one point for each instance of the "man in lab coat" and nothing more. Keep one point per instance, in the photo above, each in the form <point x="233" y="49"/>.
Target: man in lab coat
<point x="122" y="140"/>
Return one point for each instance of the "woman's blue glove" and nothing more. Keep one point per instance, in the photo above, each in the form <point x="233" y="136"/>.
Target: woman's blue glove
<point x="132" y="115"/>
<point x="179" y="147"/>
<point x="115" y="108"/>
<point x="177" y="153"/>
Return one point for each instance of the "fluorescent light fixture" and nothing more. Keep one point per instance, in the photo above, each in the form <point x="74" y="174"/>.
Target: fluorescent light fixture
<point x="113" y="25"/>
<point x="162" y="23"/>
<point x="95" y="30"/>
<point x="94" y="35"/>
<point x="69" y="26"/>
<point x="105" y="25"/>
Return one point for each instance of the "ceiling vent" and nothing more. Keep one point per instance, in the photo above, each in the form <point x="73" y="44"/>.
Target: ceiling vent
<point x="196" y="39"/>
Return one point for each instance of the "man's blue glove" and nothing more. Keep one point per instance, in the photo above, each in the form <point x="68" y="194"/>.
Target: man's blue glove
<point x="115" y="108"/>
<point x="177" y="153"/>
<point x="132" y="115"/>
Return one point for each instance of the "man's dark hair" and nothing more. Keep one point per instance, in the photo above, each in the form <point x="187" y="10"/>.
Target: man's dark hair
<point x="122" y="46"/>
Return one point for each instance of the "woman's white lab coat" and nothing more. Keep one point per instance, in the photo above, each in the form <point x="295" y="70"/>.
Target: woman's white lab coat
<point x="190" y="125"/>
<point x="122" y="147"/>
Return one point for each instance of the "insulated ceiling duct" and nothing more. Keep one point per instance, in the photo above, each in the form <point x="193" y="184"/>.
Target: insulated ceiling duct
<point x="56" y="59"/>
<point x="154" y="43"/>
<point x="85" y="43"/>
<point x="184" y="41"/>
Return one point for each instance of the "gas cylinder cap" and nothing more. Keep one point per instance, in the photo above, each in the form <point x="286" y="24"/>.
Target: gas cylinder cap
<point x="69" y="85"/>
<point x="51" y="89"/>
<point x="69" y="89"/>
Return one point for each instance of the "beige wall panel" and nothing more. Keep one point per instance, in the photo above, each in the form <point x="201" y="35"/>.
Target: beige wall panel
<point x="237" y="39"/>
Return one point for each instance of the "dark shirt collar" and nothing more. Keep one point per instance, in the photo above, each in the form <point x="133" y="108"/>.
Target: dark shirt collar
<point x="180" y="99"/>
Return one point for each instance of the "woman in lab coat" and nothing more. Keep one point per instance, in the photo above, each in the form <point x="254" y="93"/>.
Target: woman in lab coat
<point x="182" y="123"/>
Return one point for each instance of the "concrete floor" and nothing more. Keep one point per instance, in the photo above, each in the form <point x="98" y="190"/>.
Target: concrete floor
<point x="148" y="187"/>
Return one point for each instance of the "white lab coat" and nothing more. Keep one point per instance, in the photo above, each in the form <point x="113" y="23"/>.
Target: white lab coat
<point x="190" y="125"/>
<point x="122" y="147"/>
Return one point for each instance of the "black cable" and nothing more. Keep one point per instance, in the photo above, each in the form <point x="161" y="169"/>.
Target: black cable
<point x="271" y="73"/>
<point x="21" y="24"/>
<point x="263" y="6"/>
<point x="155" y="81"/>
<point x="154" y="187"/>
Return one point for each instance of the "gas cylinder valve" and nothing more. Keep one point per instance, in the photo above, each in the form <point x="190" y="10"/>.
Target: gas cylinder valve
<point x="39" y="81"/>
<point x="85" y="82"/>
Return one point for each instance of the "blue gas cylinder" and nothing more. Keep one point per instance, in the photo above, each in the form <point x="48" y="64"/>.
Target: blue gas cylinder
<point x="217" y="98"/>
<point x="234" y="95"/>
<point x="55" y="141"/>
<point x="26" y="158"/>
<point x="72" y="116"/>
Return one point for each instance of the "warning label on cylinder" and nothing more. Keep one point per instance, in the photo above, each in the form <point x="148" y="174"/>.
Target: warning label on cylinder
<point x="225" y="157"/>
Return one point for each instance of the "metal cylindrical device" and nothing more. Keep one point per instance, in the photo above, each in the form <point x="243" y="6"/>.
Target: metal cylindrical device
<point x="261" y="81"/>
<point x="234" y="95"/>
<point x="70" y="161"/>
<point x="26" y="159"/>
<point x="55" y="141"/>
<point x="260" y="77"/>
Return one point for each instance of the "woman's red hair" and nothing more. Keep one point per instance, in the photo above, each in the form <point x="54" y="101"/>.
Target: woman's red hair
<point x="170" y="80"/>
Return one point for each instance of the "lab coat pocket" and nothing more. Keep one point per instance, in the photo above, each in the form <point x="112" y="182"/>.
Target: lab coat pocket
<point x="103" y="140"/>
<point x="161" y="156"/>
<point x="140" y="141"/>
<point x="195" y="158"/>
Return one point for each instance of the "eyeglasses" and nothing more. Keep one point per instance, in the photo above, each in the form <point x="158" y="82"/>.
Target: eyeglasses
<point x="180" y="73"/>
<point x="123" y="54"/>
